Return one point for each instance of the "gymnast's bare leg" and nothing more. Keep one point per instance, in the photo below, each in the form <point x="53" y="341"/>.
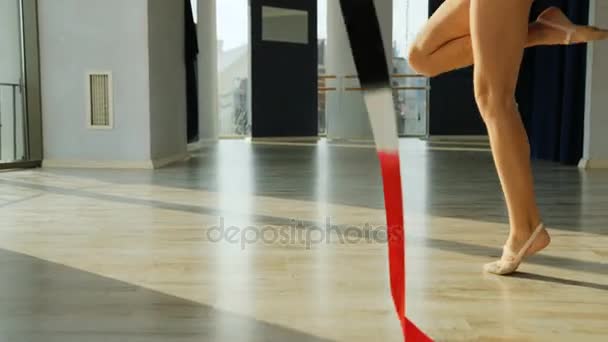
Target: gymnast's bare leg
<point x="495" y="78"/>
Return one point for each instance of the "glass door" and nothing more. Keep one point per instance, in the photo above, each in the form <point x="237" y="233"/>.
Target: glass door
<point x="233" y="68"/>
<point x="13" y="122"/>
<point x="411" y="91"/>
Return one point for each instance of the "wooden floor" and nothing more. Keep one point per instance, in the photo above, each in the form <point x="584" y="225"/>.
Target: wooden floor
<point x="90" y="255"/>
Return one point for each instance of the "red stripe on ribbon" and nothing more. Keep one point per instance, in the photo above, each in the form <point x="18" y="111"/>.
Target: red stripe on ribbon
<point x="393" y="201"/>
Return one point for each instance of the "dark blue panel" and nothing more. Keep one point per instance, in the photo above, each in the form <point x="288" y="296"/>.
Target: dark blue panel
<point x="284" y="77"/>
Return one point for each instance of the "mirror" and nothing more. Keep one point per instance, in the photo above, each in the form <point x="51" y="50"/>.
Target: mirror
<point x="284" y="25"/>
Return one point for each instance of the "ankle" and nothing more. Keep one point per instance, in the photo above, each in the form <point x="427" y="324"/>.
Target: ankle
<point x="517" y="239"/>
<point x="522" y="234"/>
<point x="538" y="34"/>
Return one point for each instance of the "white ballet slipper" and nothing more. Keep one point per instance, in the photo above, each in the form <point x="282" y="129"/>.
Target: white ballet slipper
<point x="510" y="261"/>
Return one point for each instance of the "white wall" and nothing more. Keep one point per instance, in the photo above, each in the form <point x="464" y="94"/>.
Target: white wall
<point x="10" y="72"/>
<point x="596" y="112"/>
<point x="141" y="43"/>
<point x="167" y="79"/>
<point x="77" y="36"/>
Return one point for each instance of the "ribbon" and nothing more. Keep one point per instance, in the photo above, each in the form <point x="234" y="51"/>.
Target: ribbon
<point x="367" y="47"/>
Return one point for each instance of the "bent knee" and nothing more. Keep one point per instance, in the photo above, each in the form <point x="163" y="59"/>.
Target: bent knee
<point x="418" y="60"/>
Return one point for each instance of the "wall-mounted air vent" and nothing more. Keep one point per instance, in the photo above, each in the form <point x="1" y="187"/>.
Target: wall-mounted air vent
<point x="99" y="114"/>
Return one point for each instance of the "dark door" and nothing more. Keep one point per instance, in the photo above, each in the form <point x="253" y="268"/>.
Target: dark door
<point x="284" y="68"/>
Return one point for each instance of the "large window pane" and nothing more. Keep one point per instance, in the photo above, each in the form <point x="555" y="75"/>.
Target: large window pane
<point x="233" y="67"/>
<point x="12" y="123"/>
<point x="323" y="82"/>
<point x="410" y="92"/>
<point x="284" y="25"/>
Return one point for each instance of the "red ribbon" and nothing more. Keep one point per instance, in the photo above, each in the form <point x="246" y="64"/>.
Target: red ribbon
<point x="393" y="199"/>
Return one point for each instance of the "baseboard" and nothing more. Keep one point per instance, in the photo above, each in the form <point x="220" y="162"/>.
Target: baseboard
<point x="161" y="162"/>
<point x="459" y="138"/>
<point x="443" y="143"/>
<point x="587" y="164"/>
<point x="20" y="165"/>
<point x="232" y="137"/>
<point x="195" y="146"/>
<point x="97" y="164"/>
<point x="115" y="164"/>
<point x="285" y="139"/>
<point x="351" y="141"/>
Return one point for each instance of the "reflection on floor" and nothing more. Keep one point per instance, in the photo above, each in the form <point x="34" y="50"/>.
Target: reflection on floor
<point x="266" y="242"/>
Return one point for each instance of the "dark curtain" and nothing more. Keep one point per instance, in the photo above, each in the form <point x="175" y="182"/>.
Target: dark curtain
<point x="452" y="93"/>
<point x="551" y="91"/>
<point x="191" y="53"/>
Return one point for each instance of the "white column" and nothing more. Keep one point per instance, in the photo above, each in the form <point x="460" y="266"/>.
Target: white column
<point x="207" y="70"/>
<point x="346" y="113"/>
<point x="595" y="153"/>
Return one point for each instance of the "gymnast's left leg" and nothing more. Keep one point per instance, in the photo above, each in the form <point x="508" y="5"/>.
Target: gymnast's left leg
<point x="444" y="44"/>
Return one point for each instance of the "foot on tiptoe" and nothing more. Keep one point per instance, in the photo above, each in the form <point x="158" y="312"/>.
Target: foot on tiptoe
<point x="563" y="31"/>
<point x="517" y="248"/>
